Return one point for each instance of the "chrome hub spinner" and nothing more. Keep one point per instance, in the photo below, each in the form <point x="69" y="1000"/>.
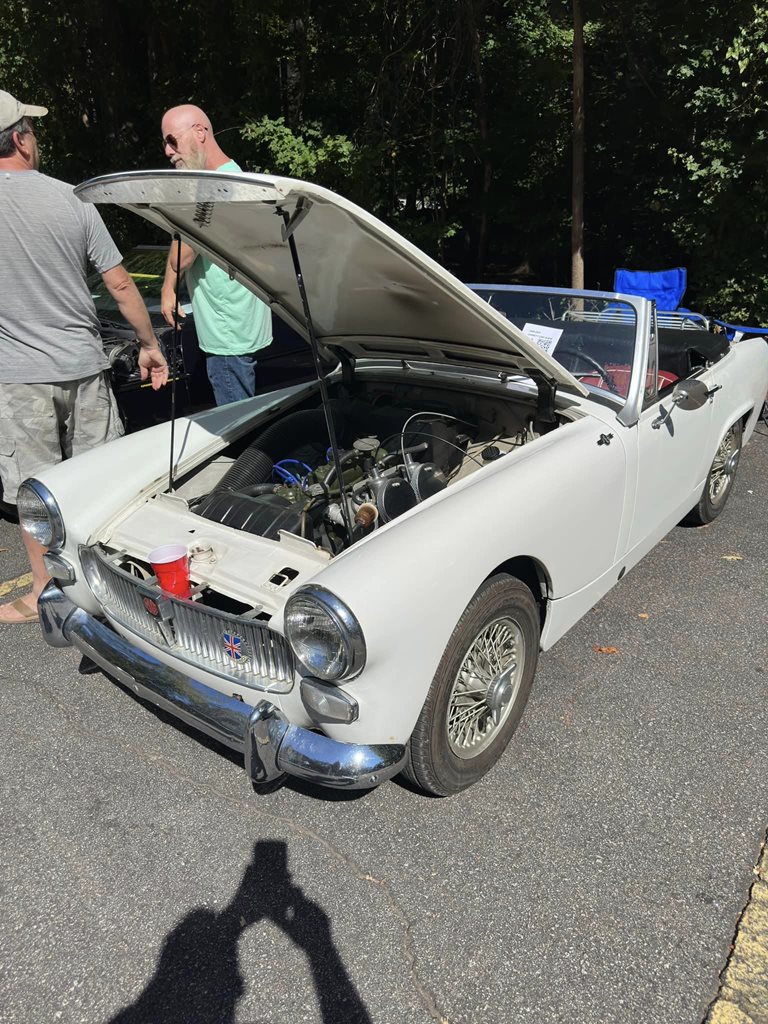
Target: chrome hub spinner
<point x="485" y="687"/>
<point x="500" y="693"/>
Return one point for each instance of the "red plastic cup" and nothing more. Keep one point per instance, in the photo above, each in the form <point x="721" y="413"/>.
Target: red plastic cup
<point x="171" y="566"/>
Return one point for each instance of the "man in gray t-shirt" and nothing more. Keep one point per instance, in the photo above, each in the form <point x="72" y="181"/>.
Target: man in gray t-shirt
<point x="55" y="400"/>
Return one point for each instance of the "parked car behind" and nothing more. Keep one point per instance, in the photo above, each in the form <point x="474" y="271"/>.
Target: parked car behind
<point x="287" y="360"/>
<point x="376" y="560"/>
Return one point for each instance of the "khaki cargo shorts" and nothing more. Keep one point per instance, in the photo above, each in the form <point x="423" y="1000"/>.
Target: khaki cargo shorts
<point x="42" y="424"/>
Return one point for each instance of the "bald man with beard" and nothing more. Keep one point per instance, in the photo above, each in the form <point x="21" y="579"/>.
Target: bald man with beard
<point x="231" y="323"/>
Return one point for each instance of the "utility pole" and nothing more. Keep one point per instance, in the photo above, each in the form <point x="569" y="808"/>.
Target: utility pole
<point x="577" y="186"/>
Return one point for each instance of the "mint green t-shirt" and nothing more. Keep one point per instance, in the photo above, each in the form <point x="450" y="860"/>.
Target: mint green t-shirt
<point x="230" y="320"/>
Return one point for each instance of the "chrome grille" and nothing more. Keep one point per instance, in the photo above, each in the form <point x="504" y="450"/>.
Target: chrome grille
<point x="191" y="631"/>
<point x="199" y="632"/>
<point x="122" y="599"/>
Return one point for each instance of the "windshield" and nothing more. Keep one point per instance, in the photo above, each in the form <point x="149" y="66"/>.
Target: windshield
<point x="147" y="268"/>
<point x="592" y="338"/>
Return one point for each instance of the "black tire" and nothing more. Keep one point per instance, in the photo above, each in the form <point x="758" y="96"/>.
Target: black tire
<point x="503" y="613"/>
<point x="719" y="479"/>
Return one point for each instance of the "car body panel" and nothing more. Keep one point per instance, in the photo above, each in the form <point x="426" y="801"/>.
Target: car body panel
<point x="425" y="573"/>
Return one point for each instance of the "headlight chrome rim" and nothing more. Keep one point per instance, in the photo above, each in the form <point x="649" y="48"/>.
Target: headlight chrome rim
<point x="347" y="627"/>
<point x="91" y="570"/>
<point x="58" y="535"/>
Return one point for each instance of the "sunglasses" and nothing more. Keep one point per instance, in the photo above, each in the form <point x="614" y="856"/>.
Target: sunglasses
<point x="172" y="140"/>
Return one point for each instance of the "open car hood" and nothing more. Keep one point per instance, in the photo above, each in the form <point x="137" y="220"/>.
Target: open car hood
<point x="371" y="293"/>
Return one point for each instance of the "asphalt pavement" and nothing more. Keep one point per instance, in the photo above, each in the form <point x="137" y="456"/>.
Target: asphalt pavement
<point x="597" y="874"/>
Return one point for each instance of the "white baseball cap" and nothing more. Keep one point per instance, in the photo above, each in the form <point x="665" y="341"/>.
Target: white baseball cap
<point x="12" y="111"/>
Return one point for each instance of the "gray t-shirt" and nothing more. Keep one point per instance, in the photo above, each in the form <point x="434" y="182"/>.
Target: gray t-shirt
<point x="49" y="330"/>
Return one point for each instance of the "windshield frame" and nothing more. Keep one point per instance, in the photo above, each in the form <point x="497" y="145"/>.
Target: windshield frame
<point x="629" y="408"/>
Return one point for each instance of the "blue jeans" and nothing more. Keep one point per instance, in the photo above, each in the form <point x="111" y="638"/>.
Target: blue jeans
<point x="232" y="377"/>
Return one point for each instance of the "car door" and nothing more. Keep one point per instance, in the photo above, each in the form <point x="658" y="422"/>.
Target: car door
<point x="675" y="444"/>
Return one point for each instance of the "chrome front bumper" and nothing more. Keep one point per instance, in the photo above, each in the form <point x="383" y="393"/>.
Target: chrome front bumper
<point x="271" y="746"/>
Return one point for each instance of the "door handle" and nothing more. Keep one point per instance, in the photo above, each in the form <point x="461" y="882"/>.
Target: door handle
<point x="713" y="389"/>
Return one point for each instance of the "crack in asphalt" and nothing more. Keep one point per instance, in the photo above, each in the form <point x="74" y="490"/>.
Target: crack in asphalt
<point x="248" y="806"/>
<point x="733" y="949"/>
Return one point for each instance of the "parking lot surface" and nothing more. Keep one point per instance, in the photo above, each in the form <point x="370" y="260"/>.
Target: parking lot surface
<point x="596" y="875"/>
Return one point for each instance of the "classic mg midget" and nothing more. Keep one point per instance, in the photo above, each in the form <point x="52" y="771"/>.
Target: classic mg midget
<point x="378" y="556"/>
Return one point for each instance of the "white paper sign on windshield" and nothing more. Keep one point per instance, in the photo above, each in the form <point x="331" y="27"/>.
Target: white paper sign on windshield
<point x="545" y="337"/>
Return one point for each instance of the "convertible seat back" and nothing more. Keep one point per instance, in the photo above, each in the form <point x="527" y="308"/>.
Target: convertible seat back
<point x="620" y="374"/>
<point x="683" y="352"/>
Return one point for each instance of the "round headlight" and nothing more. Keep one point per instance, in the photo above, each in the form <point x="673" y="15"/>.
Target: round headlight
<point x="39" y="514"/>
<point x="324" y="634"/>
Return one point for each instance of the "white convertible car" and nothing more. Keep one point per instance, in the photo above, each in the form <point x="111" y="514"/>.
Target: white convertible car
<point x="377" y="557"/>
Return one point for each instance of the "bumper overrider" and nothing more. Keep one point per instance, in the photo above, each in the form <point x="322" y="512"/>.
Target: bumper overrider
<point x="271" y="746"/>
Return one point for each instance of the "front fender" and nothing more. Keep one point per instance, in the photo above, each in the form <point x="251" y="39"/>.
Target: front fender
<point x="559" y="500"/>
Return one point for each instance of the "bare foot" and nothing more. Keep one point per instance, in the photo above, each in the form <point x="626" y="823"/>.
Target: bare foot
<point x="23" y="609"/>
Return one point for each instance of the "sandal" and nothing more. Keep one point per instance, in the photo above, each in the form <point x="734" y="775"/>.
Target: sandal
<point x="27" y="614"/>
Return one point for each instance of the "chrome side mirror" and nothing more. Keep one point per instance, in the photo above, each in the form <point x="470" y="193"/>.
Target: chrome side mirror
<point x="688" y="394"/>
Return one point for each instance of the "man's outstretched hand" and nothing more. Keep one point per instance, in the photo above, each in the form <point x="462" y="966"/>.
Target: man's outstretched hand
<point x="153" y="367"/>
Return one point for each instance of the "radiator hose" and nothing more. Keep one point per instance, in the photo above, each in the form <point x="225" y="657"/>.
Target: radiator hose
<point x="254" y="465"/>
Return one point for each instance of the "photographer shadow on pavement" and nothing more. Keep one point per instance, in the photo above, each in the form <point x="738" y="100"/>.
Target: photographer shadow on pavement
<point x="198" y="978"/>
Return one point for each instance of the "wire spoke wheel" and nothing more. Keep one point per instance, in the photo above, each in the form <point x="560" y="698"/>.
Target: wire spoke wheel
<point x="479" y="690"/>
<point x="485" y="687"/>
<point x="724" y="467"/>
<point x="720" y="478"/>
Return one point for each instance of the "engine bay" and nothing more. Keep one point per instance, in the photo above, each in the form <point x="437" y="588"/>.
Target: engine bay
<point x="396" y="448"/>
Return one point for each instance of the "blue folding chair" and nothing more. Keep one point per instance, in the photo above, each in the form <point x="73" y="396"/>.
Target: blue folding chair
<point x="665" y="287"/>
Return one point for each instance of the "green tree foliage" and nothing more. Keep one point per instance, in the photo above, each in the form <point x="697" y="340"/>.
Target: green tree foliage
<point x="721" y="203"/>
<point x="451" y="121"/>
<point x="677" y="151"/>
<point x="301" y="154"/>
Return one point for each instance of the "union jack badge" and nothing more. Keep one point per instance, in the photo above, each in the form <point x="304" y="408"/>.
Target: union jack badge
<point x="235" y="647"/>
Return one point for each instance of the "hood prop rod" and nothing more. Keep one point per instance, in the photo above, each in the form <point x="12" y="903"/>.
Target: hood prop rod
<point x="174" y="349"/>
<point x="289" y="226"/>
